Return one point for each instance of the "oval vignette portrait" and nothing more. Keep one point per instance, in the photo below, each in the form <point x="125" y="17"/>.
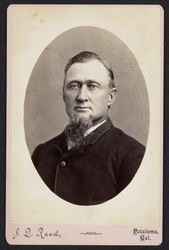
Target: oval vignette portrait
<point x="86" y="116"/>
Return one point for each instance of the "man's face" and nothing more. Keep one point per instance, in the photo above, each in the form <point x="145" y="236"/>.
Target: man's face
<point x="86" y="91"/>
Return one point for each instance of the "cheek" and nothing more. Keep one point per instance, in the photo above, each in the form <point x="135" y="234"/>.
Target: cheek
<point x="68" y="98"/>
<point x="101" y="101"/>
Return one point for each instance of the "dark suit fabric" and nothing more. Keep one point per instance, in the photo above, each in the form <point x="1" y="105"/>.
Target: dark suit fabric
<point x="92" y="174"/>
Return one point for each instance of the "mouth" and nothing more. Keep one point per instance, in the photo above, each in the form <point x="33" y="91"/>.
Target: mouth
<point x="82" y="109"/>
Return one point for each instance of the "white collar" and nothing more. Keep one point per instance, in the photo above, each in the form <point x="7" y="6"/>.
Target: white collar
<point x="93" y="128"/>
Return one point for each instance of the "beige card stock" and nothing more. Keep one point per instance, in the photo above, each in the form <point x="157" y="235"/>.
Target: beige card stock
<point x="35" y="215"/>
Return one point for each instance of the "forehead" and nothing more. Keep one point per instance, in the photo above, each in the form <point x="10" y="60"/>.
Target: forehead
<point x="90" y="70"/>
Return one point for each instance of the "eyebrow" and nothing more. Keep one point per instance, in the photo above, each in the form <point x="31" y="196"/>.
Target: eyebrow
<point x="81" y="82"/>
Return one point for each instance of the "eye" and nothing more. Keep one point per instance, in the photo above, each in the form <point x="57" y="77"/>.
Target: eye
<point x="74" y="85"/>
<point x="92" y="86"/>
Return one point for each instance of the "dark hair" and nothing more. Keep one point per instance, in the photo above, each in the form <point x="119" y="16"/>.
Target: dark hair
<point x="86" y="56"/>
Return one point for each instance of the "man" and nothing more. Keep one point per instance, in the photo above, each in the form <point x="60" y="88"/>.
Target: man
<point x="91" y="161"/>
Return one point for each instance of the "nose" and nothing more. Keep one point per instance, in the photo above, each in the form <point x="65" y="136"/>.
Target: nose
<point x="82" y="94"/>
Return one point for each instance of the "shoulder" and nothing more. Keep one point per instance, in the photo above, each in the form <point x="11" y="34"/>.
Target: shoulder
<point x="126" y="140"/>
<point x="51" y="141"/>
<point x="122" y="143"/>
<point x="46" y="147"/>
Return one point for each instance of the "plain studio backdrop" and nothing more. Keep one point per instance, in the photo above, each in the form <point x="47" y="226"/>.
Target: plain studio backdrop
<point x="44" y="114"/>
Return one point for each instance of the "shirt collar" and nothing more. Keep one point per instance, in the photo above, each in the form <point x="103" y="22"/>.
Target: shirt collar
<point x="93" y="128"/>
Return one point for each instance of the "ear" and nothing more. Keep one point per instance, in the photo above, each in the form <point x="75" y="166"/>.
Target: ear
<point x="112" y="96"/>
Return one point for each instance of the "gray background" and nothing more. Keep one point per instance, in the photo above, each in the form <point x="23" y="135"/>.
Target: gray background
<point x="44" y="112"/>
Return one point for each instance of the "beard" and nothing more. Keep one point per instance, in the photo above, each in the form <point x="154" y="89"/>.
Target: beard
<point x="75" y="130"/>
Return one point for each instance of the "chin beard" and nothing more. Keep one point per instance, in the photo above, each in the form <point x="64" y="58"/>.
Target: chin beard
<point x="76" y="129"/>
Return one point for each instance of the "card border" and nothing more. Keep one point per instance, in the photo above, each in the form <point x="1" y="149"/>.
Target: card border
<point x="3" y="24"/>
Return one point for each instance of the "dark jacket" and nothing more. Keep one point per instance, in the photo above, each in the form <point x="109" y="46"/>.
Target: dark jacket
<point x="92" y="174"/>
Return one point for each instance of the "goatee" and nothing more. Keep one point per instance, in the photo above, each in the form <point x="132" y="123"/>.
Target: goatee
<point x="75" y="131"/>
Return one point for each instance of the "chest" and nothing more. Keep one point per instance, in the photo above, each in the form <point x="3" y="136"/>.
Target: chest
<point x="85" y="176"/>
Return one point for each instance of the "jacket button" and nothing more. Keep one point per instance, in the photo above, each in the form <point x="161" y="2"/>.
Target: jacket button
<point x="63" y="164"/>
